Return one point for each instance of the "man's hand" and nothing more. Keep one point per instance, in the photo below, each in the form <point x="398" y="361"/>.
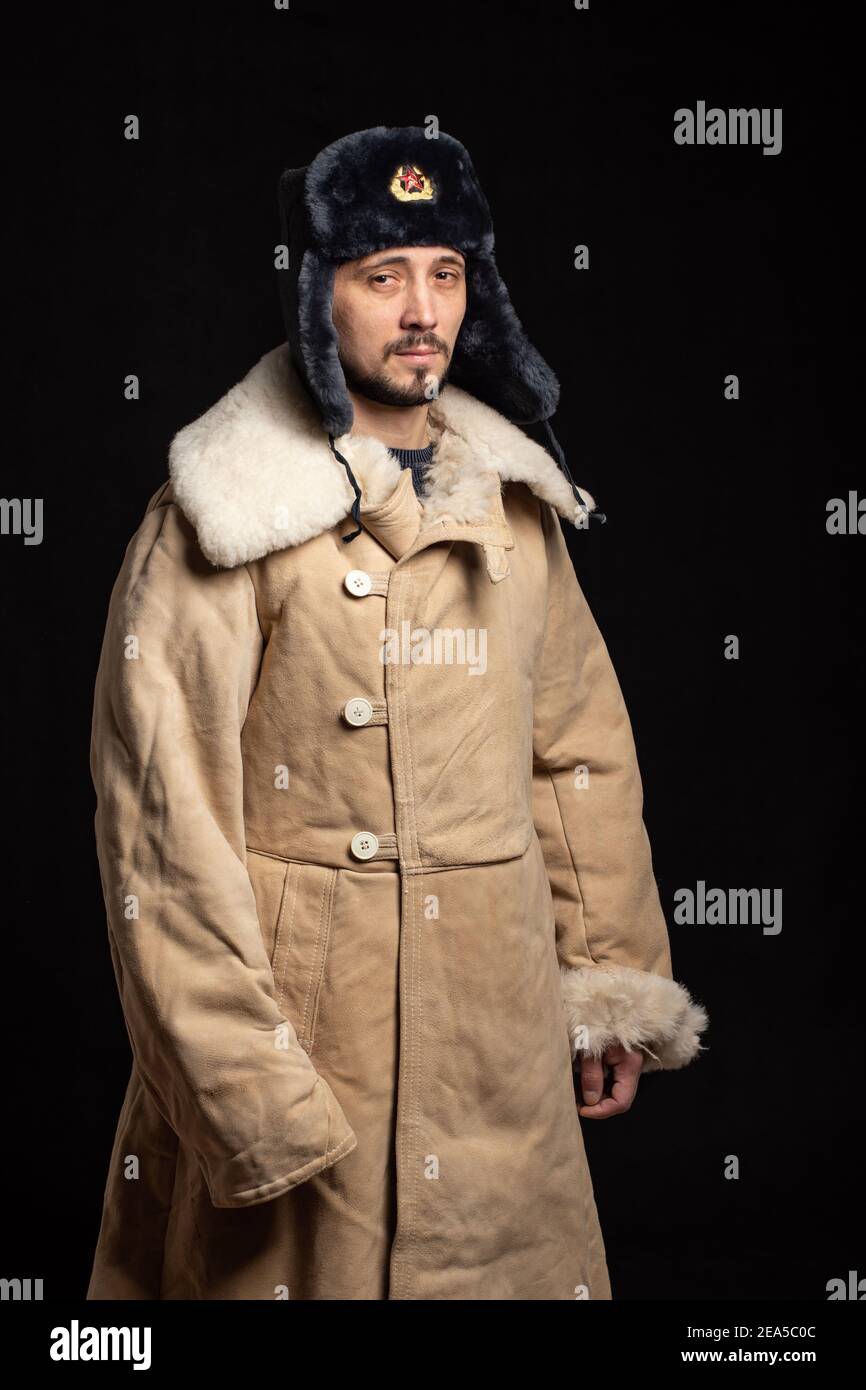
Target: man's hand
<point x="626" y="1069"/>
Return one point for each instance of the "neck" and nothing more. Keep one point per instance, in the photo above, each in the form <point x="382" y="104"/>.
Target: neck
<point x="400" y="427"/>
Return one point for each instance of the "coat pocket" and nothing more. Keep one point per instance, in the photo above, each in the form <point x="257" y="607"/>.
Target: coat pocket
<point x="295" y="903"/>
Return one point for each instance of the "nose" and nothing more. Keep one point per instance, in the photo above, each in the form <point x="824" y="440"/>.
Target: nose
<point x="419" y="309"/>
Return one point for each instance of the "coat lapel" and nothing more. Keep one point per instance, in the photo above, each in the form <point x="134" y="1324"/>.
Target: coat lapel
<point x="255" y="474"/>
<point x="396" y="521"/>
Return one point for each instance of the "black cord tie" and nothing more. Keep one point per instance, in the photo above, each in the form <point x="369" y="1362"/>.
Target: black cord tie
<point x="356" y="505"/>
<point x="560" y="457"/>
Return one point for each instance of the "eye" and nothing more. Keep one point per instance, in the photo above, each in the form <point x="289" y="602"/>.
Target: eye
<point x="381" y="275"/>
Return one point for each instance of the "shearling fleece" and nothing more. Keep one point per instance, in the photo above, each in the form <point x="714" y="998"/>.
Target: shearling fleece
<point x="255" y="474"/>
<point x="618" y="1006"/>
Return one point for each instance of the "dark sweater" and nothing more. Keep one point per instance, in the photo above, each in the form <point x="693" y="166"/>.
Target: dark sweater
<point x="417" y="460"/>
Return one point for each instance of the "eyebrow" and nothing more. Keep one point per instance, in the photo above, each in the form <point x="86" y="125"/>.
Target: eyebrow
<point x="444" y="259"/>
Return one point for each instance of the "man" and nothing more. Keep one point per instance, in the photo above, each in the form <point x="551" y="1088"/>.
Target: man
<point x="369" y="813"/>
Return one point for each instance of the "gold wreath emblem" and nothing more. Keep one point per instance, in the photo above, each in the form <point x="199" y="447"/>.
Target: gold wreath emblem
<point x="411" y="185"/>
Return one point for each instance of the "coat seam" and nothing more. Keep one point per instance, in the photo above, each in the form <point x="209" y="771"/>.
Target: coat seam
<point x="419" y="937"/>
<point x="411" y="1022"/>
<point x="309" y="974"/>
<point x="291" y="936"/>
<point x="418" y="1031"/>
<point x="314" y="980"/>
<point x="413" y="820"/>
<point x="278" y="937"/>
<point x="574" y="868"/>
<point x="255" y="602"/>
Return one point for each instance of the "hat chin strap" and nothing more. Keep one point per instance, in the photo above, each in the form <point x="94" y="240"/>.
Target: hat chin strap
<point x="560" y="458"/>
<point x="356" y="505"/>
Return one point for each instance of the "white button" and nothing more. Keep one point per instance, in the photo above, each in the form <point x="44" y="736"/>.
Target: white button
<point x="364" y="844"/>
<point x="358" y="711"/>
<point x="358" y="583"/>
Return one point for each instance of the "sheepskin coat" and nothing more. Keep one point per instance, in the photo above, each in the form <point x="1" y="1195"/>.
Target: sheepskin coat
<point x="369" y="827"/>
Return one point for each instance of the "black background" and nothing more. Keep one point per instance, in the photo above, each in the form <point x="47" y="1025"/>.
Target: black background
<point x="156" y="257"/>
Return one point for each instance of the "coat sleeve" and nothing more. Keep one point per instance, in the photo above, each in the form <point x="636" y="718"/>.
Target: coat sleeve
<point x="611" y="935"/>
<point x="179" y="662"/>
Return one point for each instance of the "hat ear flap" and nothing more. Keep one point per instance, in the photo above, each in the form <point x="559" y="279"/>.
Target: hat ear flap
<point x="493" y="358"/>
<point x="306" y="289"/>
<point x="318" y="343"/>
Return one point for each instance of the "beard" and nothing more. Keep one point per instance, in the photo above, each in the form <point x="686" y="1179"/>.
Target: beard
<point x="378" y="386"/>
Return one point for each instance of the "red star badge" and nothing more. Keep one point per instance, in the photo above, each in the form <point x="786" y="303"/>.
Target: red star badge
<point x="410" y="180"/>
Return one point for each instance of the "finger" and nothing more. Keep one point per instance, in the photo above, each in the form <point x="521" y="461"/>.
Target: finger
<point x="603" y="1110"/>
<point x="591" y="1079"/>
<point x="622" y="1093"/>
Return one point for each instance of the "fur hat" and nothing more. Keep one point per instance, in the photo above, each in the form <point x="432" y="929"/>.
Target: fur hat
<point x="394" y="186"/>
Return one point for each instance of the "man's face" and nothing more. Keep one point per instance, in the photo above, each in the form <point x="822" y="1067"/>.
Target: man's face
<point x="389" y="303"/>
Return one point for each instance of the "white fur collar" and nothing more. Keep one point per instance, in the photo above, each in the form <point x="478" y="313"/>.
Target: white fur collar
<point x="255" y="473"/>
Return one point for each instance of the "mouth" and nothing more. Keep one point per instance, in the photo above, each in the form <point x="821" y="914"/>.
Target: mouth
<point x="418" y="354"/>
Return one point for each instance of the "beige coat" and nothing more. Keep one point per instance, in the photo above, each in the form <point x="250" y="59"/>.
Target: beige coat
<point x="370" y="833"/>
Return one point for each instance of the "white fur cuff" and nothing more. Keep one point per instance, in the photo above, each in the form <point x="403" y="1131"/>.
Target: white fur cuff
<point x="610" y="1004"/>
